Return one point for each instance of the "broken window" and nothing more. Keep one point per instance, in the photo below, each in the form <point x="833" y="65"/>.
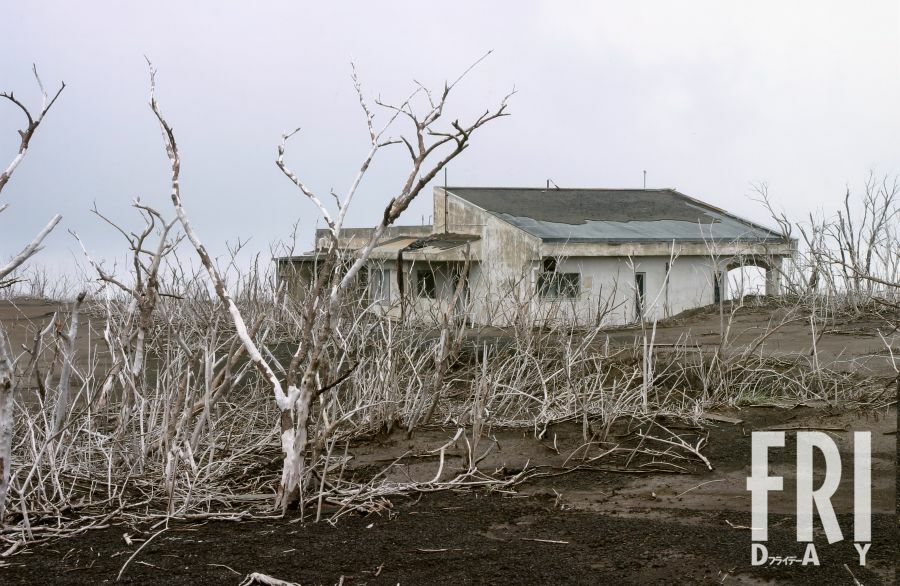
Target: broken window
<point x="553" y="285"/>
<point x="425" y="285"/>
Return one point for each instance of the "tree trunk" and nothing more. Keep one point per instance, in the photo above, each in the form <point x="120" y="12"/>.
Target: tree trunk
<point x="7" y="389"/>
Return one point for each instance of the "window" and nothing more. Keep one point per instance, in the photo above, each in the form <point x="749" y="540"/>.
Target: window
<point x="639" y="293"/>
<point x="425" y="285"/>
<point x="552" y="284"/>
<point x="559" y="284"/>
<point x="381" y="286"/>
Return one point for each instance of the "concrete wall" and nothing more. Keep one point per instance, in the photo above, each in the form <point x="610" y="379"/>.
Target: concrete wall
<point x="608" y="294"/>
<point x="500" y="283"/>
<point x="502" y="291"/>
<point x="464" y="218"/>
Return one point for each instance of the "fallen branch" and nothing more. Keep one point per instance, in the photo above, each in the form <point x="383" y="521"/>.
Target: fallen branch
<point x="137" y="551"/>
<point x="257" y="578"/>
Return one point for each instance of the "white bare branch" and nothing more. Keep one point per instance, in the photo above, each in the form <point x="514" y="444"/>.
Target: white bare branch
<point x="27" y="133"/>
<point x="30" y="250"/>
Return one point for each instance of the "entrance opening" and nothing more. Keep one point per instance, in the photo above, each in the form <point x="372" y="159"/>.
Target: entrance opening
<point x="745" y="280"/>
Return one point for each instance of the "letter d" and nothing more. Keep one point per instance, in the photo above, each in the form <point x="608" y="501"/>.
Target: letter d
<point x="758" y="554"/>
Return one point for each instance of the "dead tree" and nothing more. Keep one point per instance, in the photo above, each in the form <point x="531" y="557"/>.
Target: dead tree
<point x="321" y="344"/>
<point x="143" y="294"/>
<point x="852" y="254"/>
<point x="866" y="243"/>
<point x="7" y="358"/>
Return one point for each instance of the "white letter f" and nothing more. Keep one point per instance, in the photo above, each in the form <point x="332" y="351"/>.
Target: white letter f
<point x="759" y="483"/>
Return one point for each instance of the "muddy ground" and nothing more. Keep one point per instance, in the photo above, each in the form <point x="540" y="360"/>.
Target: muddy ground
<point x="663" y="522"/>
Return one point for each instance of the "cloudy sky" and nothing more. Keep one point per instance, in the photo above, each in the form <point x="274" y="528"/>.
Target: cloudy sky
<point x="709" y="97"/>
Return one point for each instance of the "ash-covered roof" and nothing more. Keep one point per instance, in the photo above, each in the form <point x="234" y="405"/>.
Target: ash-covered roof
<point x="612" y="214"/>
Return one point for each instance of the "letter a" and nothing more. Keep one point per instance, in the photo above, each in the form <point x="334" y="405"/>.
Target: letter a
<point x="810" y="555"/>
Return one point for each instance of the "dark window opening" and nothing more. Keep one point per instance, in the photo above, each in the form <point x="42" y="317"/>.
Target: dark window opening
<point x="639" y="292"/>
<point x="559" y="284"/>
<point x="425" y="284"/>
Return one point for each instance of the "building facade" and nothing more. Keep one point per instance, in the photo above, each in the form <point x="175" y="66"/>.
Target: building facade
<point x="578" y="256"/>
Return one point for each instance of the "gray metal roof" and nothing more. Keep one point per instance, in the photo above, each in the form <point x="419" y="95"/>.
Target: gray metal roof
<point x="612" y="214"/>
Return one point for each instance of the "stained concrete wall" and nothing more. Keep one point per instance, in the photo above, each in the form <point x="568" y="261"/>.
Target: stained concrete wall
<point x="608" y="293"/>
<point x="500" y="283"/>
<point x="461" y="216"/>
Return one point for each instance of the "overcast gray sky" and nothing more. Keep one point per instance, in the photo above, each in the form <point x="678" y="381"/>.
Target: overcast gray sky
<point x="709" y="97"/>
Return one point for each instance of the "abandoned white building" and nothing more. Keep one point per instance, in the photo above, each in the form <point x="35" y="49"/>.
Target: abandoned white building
<point x="584" y="256"/>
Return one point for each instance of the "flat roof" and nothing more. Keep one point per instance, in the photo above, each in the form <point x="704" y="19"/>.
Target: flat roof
<point x="578" y="215"/>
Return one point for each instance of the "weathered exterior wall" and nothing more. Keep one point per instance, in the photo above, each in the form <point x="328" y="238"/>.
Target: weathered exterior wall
<point x="464" y="218"/>
<point x="500" y="283"/>
<point x="503" y="284"/>
<point x="608" y="293"/>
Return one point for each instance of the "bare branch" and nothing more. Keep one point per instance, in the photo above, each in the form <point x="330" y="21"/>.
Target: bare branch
<point x="33" y="248"/>
<point x="27" y="133"/>
<point x="279" y="162"/>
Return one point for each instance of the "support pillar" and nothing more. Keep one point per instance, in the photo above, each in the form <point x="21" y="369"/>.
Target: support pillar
<point x="773" y="276"/>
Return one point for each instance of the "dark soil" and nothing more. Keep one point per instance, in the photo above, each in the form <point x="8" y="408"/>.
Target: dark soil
<point x="452" y="539"/>
<point x="582" y="527"/>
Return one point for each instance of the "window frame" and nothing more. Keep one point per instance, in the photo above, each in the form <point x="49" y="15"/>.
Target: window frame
<point x="557" y="285"/>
